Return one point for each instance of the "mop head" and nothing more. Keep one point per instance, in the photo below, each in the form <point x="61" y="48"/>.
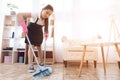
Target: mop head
<point x="41" y="72"/>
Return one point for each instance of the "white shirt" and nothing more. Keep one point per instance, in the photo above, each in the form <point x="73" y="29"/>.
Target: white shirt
<point x="34" y="18"/>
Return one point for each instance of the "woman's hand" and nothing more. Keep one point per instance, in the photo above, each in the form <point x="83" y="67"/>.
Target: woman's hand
<point x="24" y="27"/>
<point x="46" y="35"/>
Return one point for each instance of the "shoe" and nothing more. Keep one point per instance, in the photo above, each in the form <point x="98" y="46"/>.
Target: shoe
<point x="31" y="69"/>
<point x="41" y="64"/>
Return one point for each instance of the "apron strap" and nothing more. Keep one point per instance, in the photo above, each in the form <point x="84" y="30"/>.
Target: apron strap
<point x="36" y="20"/>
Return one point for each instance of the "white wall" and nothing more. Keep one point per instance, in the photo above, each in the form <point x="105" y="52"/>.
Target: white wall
<point x="2" y="2"/>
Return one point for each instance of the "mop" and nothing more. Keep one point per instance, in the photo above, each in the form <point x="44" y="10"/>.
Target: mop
<point x="46" y="71"/>
<point x="41" y="71"/>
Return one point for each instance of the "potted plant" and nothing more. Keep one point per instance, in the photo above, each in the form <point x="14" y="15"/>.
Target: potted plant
<point x="12" y="8"/>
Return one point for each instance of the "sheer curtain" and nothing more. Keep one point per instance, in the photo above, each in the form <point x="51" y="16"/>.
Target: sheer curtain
<point x="82" y="19"/>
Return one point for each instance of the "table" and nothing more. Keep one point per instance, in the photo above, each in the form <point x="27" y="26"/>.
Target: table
<point x="101" y="45"/>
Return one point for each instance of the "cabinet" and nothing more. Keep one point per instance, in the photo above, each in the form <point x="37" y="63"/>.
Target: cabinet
<point x="50" y="43"/>
<point x="11" y="39"/>
<point x="50" y="54"/>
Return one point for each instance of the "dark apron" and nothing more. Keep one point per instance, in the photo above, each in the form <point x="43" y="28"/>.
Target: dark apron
<point x="35" y="34"/>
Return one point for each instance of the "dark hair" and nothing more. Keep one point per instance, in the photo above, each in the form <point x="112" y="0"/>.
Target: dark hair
<point x="46" y="20"/>
<point x="46" y="26"/>
<point x="48" y="7"/>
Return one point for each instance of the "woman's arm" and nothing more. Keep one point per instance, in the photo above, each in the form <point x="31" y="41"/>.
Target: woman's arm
<point x="23" y="16"/>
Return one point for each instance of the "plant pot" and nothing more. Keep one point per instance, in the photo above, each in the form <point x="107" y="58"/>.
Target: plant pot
<point x="12" y="12"/>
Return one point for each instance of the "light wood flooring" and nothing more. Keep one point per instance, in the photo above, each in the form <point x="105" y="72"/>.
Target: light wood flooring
<point x="18" y="71"/>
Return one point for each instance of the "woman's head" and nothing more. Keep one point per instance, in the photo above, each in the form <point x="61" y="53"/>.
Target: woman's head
<point x="46" y="11"/>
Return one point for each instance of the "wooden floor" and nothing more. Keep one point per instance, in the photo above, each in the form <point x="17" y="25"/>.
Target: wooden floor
<point x="18" y="71"/>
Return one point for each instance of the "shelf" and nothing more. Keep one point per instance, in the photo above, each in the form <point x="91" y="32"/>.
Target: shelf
<point x="7" y="50"/>
<point x="20" y="55"/>
<point x="8" y="38"/>
<point x="49" y="61"/>
<point x="19" y="38"/>
<point x="9" y="27"/>
<point x="10" y="20"/>
<point x="49" y="57"/>
<point x="13" y="37"/>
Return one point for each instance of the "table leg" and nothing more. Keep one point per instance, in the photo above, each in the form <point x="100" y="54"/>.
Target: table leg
<point x="102" y="50"/>
<point x="117" y="48"/>
<point x="118" y="51"/>
<point x="81" y="63"/>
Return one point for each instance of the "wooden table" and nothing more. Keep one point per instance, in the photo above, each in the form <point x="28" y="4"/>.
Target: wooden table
<point x="101" y="45"/>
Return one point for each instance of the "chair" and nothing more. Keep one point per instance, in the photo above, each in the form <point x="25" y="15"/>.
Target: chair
<point x="73" y="51"/>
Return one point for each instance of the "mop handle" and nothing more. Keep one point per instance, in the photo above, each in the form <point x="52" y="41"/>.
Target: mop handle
<point x="32" y="50"/>
<point x="45" y="51"/>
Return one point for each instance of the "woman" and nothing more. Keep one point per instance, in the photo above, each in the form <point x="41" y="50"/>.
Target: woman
<point x="35" y="32"/>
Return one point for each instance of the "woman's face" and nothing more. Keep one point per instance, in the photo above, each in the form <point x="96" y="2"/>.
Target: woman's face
<point x="46" y="13"/>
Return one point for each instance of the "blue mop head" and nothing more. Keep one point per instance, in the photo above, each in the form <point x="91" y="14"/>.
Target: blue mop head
<point x="41" y="72"/>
